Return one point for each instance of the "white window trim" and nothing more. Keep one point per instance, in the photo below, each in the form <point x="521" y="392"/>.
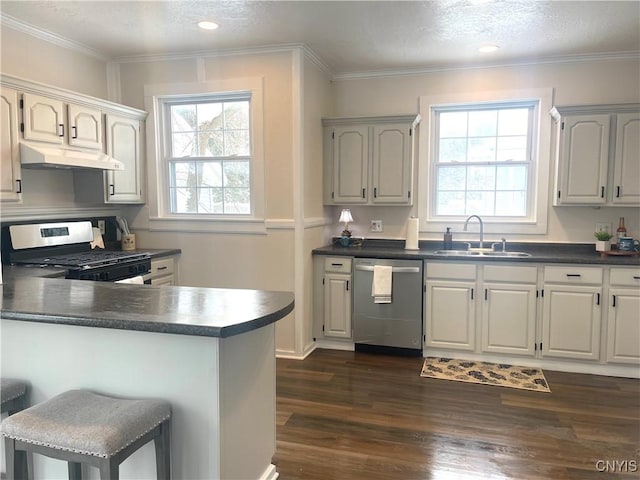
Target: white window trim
<point x="160" y="216"/>
<point x="537" y="223"/>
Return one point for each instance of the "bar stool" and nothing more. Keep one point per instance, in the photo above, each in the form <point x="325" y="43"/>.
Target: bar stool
<point x="12" y="395"/>
<point x="84" y="428"/>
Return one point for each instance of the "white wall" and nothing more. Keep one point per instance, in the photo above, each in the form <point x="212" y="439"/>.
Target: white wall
<point x="600" y="82"/>
<point x="27" y="57"/>
<point x="260" y="261"/>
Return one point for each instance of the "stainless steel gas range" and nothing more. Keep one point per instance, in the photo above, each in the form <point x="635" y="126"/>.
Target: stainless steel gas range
<point x="67" y="245"/>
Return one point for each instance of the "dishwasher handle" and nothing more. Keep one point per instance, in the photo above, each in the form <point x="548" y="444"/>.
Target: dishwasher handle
<point x="369" y="268"/>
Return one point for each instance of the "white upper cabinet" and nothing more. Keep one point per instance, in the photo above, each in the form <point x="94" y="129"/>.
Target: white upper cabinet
<point x="350" y="149"/>
<point x="44" y="121"/>
<point x="10" y="171"/>
<point x="369" y="160"/>
<point x="124" y="144"/>
<point x="626" y="165"/>
<point x="598" y="155"/>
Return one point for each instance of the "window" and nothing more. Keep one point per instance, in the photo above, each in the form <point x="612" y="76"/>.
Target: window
<point x="209" y="156"/>
<point x="485" y="153"/>
<point x="483" y="160"/>
<point x="205" y="150"/>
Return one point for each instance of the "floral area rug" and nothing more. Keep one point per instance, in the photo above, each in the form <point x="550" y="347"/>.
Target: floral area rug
<point x="499" y="374"/>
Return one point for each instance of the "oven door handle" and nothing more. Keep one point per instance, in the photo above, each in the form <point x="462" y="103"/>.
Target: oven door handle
<point x="369" y="268"/>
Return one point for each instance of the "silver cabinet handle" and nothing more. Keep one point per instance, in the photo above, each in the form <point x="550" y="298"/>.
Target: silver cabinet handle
<point x="369" y="268"/>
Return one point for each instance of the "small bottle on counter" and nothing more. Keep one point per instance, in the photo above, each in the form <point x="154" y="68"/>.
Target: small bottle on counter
<point x="448" y="239"/>
<point x="621" y="231"/>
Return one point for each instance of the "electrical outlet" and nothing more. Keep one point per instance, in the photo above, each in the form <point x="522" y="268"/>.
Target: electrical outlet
<point x="604" y="227"/>
<point x="102" y="227"/>
<point x="376" y="226"/>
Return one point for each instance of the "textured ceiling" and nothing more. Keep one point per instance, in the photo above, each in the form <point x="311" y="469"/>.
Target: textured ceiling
<point x="349" y="36"/>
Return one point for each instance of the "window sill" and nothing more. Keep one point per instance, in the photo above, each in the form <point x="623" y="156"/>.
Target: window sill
<point x="246" y="226"/>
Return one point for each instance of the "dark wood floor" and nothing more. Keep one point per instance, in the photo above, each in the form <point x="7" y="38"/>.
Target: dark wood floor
<point x="346" y="415"/>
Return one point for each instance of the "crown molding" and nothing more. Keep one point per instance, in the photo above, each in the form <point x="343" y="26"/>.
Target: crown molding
<point x="15" y="24"/>
<point x="566" y="59"/>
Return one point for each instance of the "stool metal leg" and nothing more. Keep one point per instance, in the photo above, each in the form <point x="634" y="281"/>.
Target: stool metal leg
<point x="163" y="452"/>
<point x="75" y="470"/>
<point x="109" y="469"/>
<point x="9" y="454"/>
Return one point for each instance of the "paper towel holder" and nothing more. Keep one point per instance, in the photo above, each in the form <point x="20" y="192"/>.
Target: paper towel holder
<point x="412" y="240"/>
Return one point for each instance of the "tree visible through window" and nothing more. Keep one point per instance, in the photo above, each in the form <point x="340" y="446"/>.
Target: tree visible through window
<point x="209" y="149"/>
<point x="483" y="160"/>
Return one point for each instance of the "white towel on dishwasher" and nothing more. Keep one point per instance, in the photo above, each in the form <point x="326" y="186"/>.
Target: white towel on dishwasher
<point x="381" y="285"/>
<point x="135" y="280"/>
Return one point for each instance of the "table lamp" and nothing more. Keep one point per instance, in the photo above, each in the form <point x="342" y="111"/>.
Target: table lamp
<point x="345" y="217"/>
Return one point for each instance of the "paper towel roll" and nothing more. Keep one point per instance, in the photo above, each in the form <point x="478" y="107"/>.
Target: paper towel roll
<point x="413" y="225"/>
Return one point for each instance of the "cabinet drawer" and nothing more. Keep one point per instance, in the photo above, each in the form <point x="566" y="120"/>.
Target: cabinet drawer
<point x="337" y="264"/>
<point x="164" y="266"/>
<point x="516" y="274"/>
<point x="574" y="275"/>
<point x="625" y="276"/>
<point x="453" y="271"/>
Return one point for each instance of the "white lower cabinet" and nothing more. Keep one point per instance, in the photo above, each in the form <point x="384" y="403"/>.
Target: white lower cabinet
<point x="571" y="316"/>
<point x="337" y="297"/>
<point x="163" y="271"/>
<point x="509" y="309"/>
<point x="450" y="307"/>
<point x="623" y="336"/>
<point x="506" y="316"/>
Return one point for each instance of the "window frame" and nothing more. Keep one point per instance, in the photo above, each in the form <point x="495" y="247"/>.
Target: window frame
<point x="529" y="162"/>
<point x="535" y="222"/>
<point x="157" y="99"/>
<point x="171" y="159"/>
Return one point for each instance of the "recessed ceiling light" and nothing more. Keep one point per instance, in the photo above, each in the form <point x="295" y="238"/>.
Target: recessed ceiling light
<point x="207" y="25"/>
<point x="488" y="48"/>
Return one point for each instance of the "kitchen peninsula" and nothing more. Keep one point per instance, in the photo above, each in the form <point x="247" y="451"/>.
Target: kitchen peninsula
<point x="209" y="352"/>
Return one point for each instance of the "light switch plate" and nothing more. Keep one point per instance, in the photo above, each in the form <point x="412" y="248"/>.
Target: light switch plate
<point x="376" y="226"/>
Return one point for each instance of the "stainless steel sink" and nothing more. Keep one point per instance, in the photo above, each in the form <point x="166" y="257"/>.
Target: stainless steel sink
<point x="507" y="254"/>
<point x="456" y="253"/>
<point x="471" y="253"/>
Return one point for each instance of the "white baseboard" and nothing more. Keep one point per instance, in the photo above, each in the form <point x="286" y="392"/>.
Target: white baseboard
<point x="296" y="356"/>
<point x="270" y="473"/>
<point x="335" y="345"/>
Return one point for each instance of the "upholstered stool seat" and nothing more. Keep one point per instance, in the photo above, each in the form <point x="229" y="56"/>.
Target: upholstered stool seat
<point x="85" y="428"/>
<point x="12" y="395"/>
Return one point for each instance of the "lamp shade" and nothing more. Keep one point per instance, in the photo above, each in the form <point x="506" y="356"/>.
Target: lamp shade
<point x="345" y="216"/>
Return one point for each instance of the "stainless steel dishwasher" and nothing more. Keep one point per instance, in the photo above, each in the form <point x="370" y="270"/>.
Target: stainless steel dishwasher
<point x="394" y="327"/>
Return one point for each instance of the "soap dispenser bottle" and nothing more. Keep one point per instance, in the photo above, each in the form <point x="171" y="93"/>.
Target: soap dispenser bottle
<point x="448" y="239"/>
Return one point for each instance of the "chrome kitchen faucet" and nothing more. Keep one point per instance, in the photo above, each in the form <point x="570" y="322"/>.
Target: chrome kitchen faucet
<point x="466" y="222"/>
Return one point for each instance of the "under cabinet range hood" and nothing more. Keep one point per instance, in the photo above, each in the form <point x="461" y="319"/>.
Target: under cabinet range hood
<point x="56" y="157"/>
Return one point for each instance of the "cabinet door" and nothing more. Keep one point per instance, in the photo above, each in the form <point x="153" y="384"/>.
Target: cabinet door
<point x="509" y="318"/>
<point x="583" y="161"/>
<point x="85" y="127"/>
<point x="43" y="119"/>
<point x="10" y="181"/>
<point x="350" y="164"/>
<point x="391" y="164"/>
<point x="626" y="167"/>
<point x="450" y="314"/>
<point x="123" y="144"/>
<point x="337" y="305"/>
<point x="571" y="321"/>
<point x="623" y="343"/>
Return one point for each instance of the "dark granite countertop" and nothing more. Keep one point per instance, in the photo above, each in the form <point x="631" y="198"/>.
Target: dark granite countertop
<point x="540" y="253"/>
<point x="209" y="312"/>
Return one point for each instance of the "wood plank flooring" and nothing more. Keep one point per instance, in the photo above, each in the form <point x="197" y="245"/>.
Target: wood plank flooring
<point x="350" y="416"/>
